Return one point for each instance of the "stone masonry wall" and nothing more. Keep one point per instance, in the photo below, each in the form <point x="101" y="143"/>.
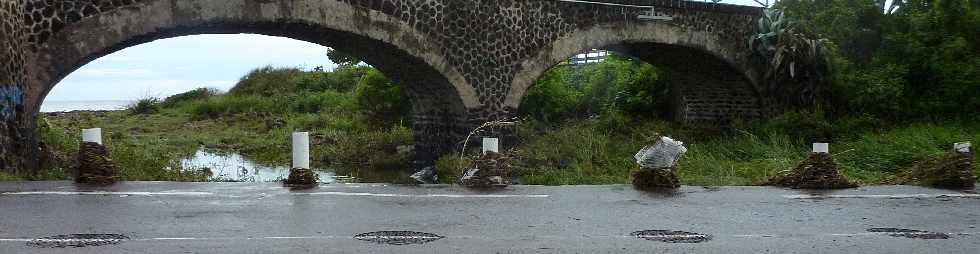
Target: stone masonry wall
<point x="488" y="44"/>
<point x="12" y="85"/>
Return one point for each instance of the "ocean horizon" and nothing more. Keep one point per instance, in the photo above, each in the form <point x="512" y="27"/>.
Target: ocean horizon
<point x="73" y="105"/>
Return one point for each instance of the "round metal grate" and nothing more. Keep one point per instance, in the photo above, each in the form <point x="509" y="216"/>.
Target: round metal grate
<point x="909" y="233"/>
<point x="671" y="236"/>
<point x="398" y="237"/>
<point x="77" y="240"/>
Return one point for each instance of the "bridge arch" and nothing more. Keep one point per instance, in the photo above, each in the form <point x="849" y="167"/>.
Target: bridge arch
<point x="710" y="77"/>
<point x="439" y="94"/>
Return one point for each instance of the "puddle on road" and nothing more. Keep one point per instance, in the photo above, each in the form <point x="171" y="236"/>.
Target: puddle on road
<point x="77" y="240"/>
<point x="232" y="167"/>
<point x="671" y="236"/>
<point x="398" y="237"/>
<point x="909" y="233"/>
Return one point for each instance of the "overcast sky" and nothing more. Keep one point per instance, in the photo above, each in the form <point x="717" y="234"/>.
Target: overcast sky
<point x="166" y="67"/>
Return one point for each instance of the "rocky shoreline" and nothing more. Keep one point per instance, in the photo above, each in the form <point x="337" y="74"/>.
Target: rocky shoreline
<point x="77" y="112"/>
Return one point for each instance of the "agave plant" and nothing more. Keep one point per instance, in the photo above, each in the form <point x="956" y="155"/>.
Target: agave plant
<point x="797" y="63"/>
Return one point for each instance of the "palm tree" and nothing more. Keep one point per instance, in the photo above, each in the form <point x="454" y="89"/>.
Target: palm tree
<point x="797" y="63"/>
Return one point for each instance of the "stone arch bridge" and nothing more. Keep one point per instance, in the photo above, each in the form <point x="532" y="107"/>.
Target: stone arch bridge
<point x="462" y="62"/>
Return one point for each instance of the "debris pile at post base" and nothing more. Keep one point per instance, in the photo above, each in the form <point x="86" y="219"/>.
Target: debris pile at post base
<point x="657" y="165"/>
<point x="489" y="170"/>
<point x="94" y="165"/>
<point x="819" y="171"/>
<point x="951" y="170"/>
<point x="655" y="179"/>
<point x="302" y="176"/>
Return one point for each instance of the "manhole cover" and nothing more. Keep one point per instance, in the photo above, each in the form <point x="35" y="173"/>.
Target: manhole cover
<point x="671" y="236"/>
<point x="77" y="240"/>
<point x="909" y="233"/>
<point x="398" y="237"/>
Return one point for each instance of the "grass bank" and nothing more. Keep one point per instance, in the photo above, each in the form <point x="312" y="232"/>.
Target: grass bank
<point x="359" y="128"/>
<point x="600" y="151"/>
<point x="148" y="140"/>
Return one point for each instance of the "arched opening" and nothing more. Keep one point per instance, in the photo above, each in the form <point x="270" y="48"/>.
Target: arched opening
<point x="590" y="113"/>
<point x="676" y="48"/>
<point x="235" y="130"/>
<point x="437" y="95"/>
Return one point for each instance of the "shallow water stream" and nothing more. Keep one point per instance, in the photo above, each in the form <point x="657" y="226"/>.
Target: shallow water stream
<point x="233" y="167"/>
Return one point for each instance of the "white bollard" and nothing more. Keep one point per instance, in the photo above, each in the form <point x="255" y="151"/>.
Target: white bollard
<point x="491" y="145"/>
<point x="821" y="148"/>
<point x="962" y="147"/>
<point x="301" y="150"/>
<point x="92" y="135"/>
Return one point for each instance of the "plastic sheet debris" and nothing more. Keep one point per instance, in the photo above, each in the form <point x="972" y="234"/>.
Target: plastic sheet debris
<point x="662" y="155"/>
<point x="426" y="176"/>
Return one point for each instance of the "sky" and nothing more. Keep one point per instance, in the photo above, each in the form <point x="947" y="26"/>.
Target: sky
<point x="170" y="66"/>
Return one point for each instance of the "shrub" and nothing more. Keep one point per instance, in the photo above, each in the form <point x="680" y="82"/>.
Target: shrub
<point x="808" y="126"/>
<point x="145" y="106"/>
<point x="192" y="95"/>
<point x="216" y="107"/>
<point x="346" y="78"/>
<point x="551" y="98"/>
<point x="314" y="81"/>
<point x="329" y="100"/>
<point x="268" y="81"/>
<point x="380" y="98"/>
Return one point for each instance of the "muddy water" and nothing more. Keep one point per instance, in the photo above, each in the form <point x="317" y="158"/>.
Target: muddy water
<point x="232" y="167"/>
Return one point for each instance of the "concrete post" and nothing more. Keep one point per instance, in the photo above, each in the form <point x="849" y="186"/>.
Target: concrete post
<point x="821" y="148"/>
<point x="491" y="145"/>
<point x="301" y="174"/>
<point x="301" y="150"/>
<point x="93" y="135"/>
<point x="962" y="147"/>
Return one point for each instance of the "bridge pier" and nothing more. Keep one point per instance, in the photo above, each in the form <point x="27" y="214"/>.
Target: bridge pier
<point x="463" y="62"/>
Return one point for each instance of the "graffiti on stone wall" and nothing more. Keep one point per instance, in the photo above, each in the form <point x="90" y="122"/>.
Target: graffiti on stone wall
<point x="10" y="98"/>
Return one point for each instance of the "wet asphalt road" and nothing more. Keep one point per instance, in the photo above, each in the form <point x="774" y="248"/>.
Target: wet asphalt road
<point x="159" y="217"/>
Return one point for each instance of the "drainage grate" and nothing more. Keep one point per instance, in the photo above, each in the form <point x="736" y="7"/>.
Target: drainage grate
<point x="670" y="236"/>
<point x="909" y="233"/>
<point x="398" y="237"/>
<point x="77" y="240"/>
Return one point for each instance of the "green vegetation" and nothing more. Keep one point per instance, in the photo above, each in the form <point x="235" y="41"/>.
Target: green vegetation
<point x="890" y="88"/>
<point x="145" y="106"/>
<point x="917" y="61"/>
<point x="251" y="120"/>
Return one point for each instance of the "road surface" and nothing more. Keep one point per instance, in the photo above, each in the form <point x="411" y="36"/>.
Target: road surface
<point x="167" y="217"/>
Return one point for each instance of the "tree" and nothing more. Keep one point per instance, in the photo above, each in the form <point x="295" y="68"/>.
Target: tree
<point x="380" y="98"/>
<point x="342" y="59"/>
<point x="797" y="61"/>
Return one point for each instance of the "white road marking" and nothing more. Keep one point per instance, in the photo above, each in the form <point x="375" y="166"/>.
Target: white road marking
<point x="358" y="194"/>
<point x="108" y="193"/>
<point x="125" y="194"/>
<point x="892" y="196"/>
<point x="864" y="234"/>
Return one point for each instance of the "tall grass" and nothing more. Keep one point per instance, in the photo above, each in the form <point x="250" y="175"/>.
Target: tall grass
<point x="600" y="151"/>
<point x="192" y="95"/>
<point x="145" y="106"/>
<point x="216" y="107"/>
